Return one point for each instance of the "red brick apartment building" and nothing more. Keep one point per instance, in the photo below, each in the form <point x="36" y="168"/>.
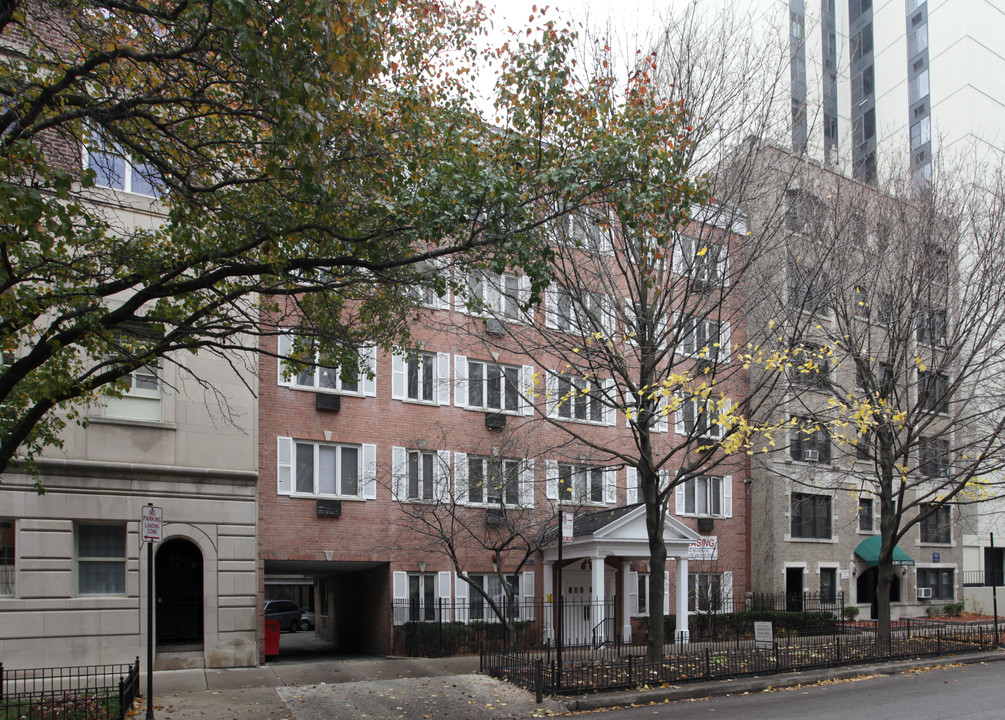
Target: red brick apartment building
<point x="344" y="465"/>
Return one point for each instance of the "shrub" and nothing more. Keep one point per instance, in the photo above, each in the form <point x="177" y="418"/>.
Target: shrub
<point x="953" y="609"/>
<point x="851" y="612"/>
<point x="932" y="611"/>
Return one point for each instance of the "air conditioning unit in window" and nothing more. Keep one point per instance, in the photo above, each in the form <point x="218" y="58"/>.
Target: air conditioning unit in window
<point x="495" y="420"/>
<point x="495" y="516"/>
<point x="924" y="593"/>
<point x="327" y="401"/>
<point x="495" y="327"/>
<point x="706" y="524"/>
<point x="811" y="455"/>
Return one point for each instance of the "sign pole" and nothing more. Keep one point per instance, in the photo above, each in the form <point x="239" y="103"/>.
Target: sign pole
<point x="151" y="531"/>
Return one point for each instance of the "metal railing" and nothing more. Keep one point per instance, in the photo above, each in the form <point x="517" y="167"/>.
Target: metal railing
<point x="96" y="692"/>
<point x="981" y="578"/>
<point x="716" y="660"/>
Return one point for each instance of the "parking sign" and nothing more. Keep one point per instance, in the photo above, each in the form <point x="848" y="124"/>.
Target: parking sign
<point x="152" y="524"/>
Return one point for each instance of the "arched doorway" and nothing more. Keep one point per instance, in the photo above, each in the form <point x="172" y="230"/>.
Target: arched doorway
<point x="865" y="590"/>
<point x="179" y="593"/>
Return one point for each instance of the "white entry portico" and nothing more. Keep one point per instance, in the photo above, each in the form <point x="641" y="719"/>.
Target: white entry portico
<point x="619" y="534"/>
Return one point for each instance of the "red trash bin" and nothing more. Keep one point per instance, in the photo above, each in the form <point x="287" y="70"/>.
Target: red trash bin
<point x="271" y="638"/>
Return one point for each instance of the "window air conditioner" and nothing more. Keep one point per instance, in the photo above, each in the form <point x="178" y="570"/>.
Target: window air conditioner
<point x="924" y="593"/>
<point x="811" y="455"/>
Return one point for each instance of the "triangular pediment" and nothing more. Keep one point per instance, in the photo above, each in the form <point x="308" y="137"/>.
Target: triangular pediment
<point x="632" y="526"/>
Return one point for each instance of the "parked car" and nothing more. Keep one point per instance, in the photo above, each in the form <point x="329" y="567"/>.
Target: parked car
<point x="286" y="612"/>
<point x="306" y="619"/>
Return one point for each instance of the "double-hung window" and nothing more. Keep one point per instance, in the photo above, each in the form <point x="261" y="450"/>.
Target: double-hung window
<point x="810" y="366"/>
<point x="705" y="496"/>
<point x="704" y="262"/>
<point x="699" y="418"/>
<point x="101" y="559"/>
<point x="326" y="376"/>
<point x="140" y="389"/>
<point x="706" y="339"/>
<point x="493" y="481"/>
<point x="705" y="592"/>
<point x="420" y="475"/>
<point x="478" y="609"/>
<point x="934" y="460"/>
<point x="325" y="469"/>
<point x="493" y="387"/>
<point x="421" y="597"/>
<point x="499" y="294"/>
<point x="580" y="311"/>
<point x="809" y="441"/>
<point x="6" y="557"/>
<point x="936" y="527"/>
<point x="941" y="582"/>
<point x="933" y="388"/>
<point x="579" y="399"/>
<point x="112" y="169"/>
<point x="811" y="516"/>
<point x="865" y="514"/>
<point x="421" y="376"/>
<point x="932" y="327"/>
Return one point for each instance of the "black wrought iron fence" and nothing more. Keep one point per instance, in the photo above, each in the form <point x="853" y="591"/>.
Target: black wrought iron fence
<point x="95" y="692"/>
<point x="446" y="627"/>
<point x="713" y="660"/>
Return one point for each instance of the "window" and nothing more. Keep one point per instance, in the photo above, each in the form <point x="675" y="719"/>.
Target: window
<point x="865" y="514"/>
<point x="703" y="496"/>
<point x="421" y="377"/>
<point x="811" y="366"/>
<point x="705" y="339"/>
<point x="6" y="557"/>
<point x="421" y="597"/>
<point x="703" y="261"/>
<point x="828" y="585"/>
<point x="113" y="171"/>
<point x="942" y="583"/>
<point x="420" y="475"/>
<point x="579" y="399"/>
<point x="918" y="87"/>
<point x="583" y="311"/>
<point x="864" y="446"/>
<point x="101" y="559"/>
<point x="642" y="594"/>
<point x="809" y="290"/>
<point x="699" y="418"/>
<point x="809" y="441"/>
<point x="932" y="327"/>
<point x="811" y="516"/>
<point x="493" y="387"/>
<point x="581" y="484"/>
<point x="802" y="211"/>
<point x="493" y="481"/>
<point x="140" y="388"/>
<point x="327" y="469"/>
<point x="936" y="527"/>
<point x="478" y="609"/>
<point x="499" y="294"/>
<point x="704" y="592"/>
<point x="934" y="456"/>
<point x="933" y="387"/>
<point x="326" y="376"/>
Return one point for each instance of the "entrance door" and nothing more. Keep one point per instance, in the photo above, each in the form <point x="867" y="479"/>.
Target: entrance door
<point x="178" y="579"/>
<point x="582" y="622"/>
<point x="794" y="589"/>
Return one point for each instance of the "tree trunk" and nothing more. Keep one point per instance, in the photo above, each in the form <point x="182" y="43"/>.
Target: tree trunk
<point x="883" y="582"/>
<point x="657" y="569"/>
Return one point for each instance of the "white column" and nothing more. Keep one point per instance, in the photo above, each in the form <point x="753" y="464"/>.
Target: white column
<point x="626" y="601"/>
<point x="682" y="635"/>
<point x="549" y="589"/>
<point x="597" y="599"/>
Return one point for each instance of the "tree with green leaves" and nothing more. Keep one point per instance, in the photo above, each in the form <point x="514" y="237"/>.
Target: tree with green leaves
<point x="172" y="173"/>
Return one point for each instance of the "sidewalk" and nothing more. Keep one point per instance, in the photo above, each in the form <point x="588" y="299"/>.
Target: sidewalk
<point x="375" y="688"/>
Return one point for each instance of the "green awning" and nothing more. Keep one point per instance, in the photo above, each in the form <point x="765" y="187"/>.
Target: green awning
<point x="868" y="550"/>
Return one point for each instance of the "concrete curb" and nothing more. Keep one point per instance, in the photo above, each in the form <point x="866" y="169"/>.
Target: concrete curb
<point x="759" y="683"/>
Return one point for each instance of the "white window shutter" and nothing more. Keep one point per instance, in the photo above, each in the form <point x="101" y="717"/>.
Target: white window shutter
<point x="443" y="378"/>
<point x="666" y="592"/>
<point x="284" y="346"/>
<point x="441" y="476"/>
<point x="727" y="592"/>
<point x="460" y="478"/>
<point x="399" y="474"/>
<point x="633" y="592"/>
<point x="610" y="395"/>
<point x="461" y="381"/>
<point x="369" y="471"/>
<point x="443" y="587"/>
<point x="399" y="586"/>
<point x="527" y="483"/>
<point x="523" y="293"/>
<point x="724" y="342"/>
<point x="551" y="479"/>
<point x="632" y="486"/>
<point x="662" y="423"/>
<point x="680" y="265"/>
<point x="727" y="496"/>
<point x="284" y="465"/>
<point x="461" y="590"/>
<point x="527" y="595"/>
<point x="679" y="426"/>
<point x="398" y="367"/>
<point x="551" y="392"/>
<point x="679" y="500"/>
<point x="607" y="318"/>
<point x="610" y="486"/>
<point x="527" y="389"/>
<point x="368" y="384"/>
<point x="724" y="264"/>
<point x="551" y="308"/>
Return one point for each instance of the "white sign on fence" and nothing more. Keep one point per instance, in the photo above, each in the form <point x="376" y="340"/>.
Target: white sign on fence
<point x="763" y="635"/>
